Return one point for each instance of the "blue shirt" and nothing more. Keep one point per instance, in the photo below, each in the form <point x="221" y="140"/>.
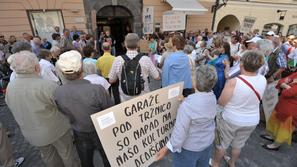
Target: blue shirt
<point x="177" y="69"/>
<point x="87" y="59"/>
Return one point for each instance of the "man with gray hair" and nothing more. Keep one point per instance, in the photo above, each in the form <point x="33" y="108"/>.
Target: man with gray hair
<point x="17" y="47"/>
<point x="146" y="67"/>
<point x="30" y="99"/>
<point x="66" y="41"/>
<point x="277" y="62"/>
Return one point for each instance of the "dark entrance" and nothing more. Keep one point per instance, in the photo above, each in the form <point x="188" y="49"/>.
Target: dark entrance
<point x="118" y="20"/>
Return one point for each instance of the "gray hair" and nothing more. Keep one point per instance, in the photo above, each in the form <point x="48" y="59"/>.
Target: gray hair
<point x="188" y="49"/>
<point x="89" y="68"/>
<point x="252" y="61"/>
<point x="44" y="53"/>
<point x="265" y="46"/>
<point x="24" y="62"/>
<point x="206" y="78"/>
<point x="131" y="41"/>
<point x="20" y="46"/>
<point x="55" y="50"/>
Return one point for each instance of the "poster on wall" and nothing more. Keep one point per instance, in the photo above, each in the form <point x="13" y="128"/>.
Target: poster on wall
<point x="148" y="19"/>
<point x="270" y="99"/>
<point x="174" y="21"/>
<point x="248" y="24"/>
<point x="134" y="131"/>
<point x="43" y="23"/>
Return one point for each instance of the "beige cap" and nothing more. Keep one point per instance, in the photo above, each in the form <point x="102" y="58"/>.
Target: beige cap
<point x="70" y="62"/>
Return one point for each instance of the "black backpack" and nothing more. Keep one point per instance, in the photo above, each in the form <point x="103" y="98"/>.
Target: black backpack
<point x="132" y="82"/>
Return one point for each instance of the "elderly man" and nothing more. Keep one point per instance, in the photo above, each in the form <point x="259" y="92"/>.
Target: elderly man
<point x="277" y="62"/>
<point x="36" y="45"/>
<point x="66" y="41"/>
<point x="17" y="47"/>
<point x="31" y="101"/>
<point x="121" y="63"/>
<point x="78" y="100"/>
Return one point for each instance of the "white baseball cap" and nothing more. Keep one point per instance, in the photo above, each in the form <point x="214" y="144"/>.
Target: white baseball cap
<point x="270" y="33"/>
<point x="70" y="62"/>
<point x="254" y="40"/>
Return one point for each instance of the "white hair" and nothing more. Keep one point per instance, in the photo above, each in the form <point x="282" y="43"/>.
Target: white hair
<point x="24" y="62"/>
<point x="265" y="46"/>
<point x="89" y="68"/>
<point x="55" y="49"/>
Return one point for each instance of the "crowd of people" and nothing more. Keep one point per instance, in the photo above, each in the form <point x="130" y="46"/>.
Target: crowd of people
<point x="54" y="87"/>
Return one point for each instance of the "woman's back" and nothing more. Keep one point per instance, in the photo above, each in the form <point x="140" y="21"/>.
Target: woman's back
<point x="243" y="107"/>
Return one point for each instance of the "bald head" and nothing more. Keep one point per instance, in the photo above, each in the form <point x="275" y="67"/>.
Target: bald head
<point x="106" y="46"/>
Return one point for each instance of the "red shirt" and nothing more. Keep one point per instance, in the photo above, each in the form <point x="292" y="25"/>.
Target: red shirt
<point x="287" y="104"/>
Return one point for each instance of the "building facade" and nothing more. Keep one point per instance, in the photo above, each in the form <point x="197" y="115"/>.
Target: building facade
<point x="265" y="15"/>
<point x="38" y="17"/>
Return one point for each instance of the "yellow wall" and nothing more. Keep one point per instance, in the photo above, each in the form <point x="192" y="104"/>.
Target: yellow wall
<point x="264" y="12"/>
<point x="159" y="8"/>
<point x="14" y="19"/>
<point x="194" y="22"/>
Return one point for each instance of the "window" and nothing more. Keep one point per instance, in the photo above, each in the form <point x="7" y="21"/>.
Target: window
<point x="43" y="22"/>
<point x="277" y="28"/>
<point x="292" y="29"/>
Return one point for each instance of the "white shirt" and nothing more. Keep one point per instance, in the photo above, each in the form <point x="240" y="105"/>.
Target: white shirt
<point x="293" y="54"/>
<point x="243" y="107"/>
<point x="98" y="80"/>
<point x="234" y="48"/>
<point x="48" y="70"/>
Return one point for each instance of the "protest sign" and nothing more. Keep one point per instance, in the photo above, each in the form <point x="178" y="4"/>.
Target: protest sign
<point x="148" y="20"/>
<point x="173" y="21"/>
<point x="248" y="24"/>
<point x="144" y="46"/>
<point x="270" y="99"/>
<point x="134" y="131"/>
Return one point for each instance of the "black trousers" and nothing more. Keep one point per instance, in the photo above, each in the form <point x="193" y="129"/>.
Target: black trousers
<point x="114" y="88"/>
<point x="86" y="144"/>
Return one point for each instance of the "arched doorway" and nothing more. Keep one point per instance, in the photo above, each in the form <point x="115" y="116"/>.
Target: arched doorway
<point x="228" y="23"/>
<point x="275" y="27"/>
<point x="119" y="21"/>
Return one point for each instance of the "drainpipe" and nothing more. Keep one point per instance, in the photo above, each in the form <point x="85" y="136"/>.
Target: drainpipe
<point x="214" y="10"/>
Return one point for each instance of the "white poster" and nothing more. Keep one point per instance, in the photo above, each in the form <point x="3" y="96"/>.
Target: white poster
<point x="248" y="24"/>
<point x="173" y="21"/>
<point x="148" y="19"/>
<point x="134" y="131"/>
<point x="270" y="99"/>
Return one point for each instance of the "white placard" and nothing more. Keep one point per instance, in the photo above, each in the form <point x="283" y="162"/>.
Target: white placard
<point x="148" y="19"/>
<point x="248" y="24"/>
<point x="174" y="21"/>
<point x="270" y="99"/>
<point x="134" y="131"/>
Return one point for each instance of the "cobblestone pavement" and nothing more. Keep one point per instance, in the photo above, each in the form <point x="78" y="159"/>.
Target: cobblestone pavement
<point x="252" y="155"/>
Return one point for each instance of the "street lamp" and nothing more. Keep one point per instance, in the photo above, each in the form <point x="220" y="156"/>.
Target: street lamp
<point x="214" y="9"/>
